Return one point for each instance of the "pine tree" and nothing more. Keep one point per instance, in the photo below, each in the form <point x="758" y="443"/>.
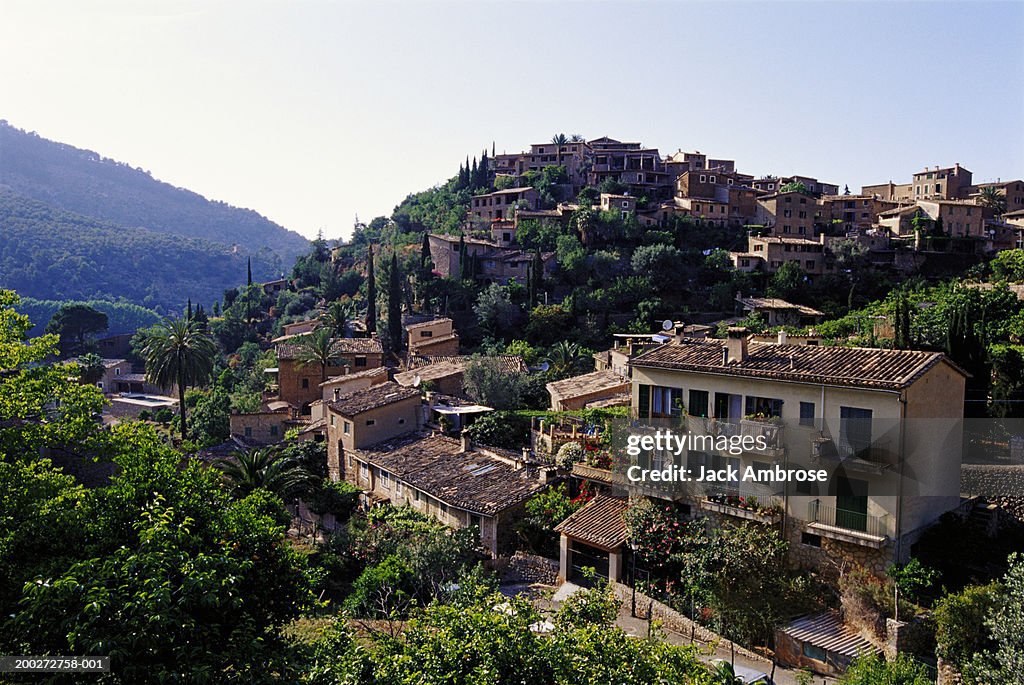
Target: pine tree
<point x="371" y="293"/>
<point x="395" y="304"/>
<point x="248" y="269"/>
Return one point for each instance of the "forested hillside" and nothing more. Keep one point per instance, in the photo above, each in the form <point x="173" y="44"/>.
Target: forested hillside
<point x="86" y="183"/>
<point x="50" y="254"/>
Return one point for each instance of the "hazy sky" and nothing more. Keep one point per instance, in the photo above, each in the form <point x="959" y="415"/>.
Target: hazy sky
<point x="310" y="112"/>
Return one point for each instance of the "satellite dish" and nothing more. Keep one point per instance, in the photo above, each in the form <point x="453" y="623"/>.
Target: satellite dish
<point x="545" y="366"/>
<point x="667" y="325"/>
<point x="416" y="380"/>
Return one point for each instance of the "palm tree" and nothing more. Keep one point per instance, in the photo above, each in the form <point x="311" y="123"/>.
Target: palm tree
<point x="564" y="357"/>
<point x="992" y="198"/>
<point x="559" y="139"/>
<point x="264" y="468"/>
<point x="722" y="673"/>
<point x="178" y="352"/>
<point x="318" y="347"/>
<point x="337" y="316"/>
<point x="576" y="138"/>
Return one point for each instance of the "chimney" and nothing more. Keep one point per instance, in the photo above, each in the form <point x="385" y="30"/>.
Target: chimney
<point x="782" y="337"/>
<point x="467" y="442"/>
<point x="337" y="393"/>
<point x="736" y="345"/>
<point x="546" y="474"/>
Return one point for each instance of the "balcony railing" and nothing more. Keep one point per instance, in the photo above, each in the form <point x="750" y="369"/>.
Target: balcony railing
<point x="847" y="524"/>
<point x="749" y="505"/>
<point x="873" y="458"/>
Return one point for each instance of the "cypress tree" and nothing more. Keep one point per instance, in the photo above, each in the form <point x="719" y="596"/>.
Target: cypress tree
<point x="189" y="314"/>
<point x="248" y="269"/>
<point x="474" y="176"/>
<point x="483" y="171"/>
<point x="371" y="293"/>
<point x="395" y="304"/>
<point x="536" y="275"/>
<point x="462" y="255"/>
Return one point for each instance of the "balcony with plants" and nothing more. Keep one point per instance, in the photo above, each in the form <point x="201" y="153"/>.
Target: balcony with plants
<point x="750" y="507"/>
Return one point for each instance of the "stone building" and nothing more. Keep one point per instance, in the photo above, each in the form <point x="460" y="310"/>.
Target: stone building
<point x="299" y="383"/>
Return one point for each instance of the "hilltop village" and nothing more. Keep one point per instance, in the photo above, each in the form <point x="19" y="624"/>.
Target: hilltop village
<point x="456" y="386"/>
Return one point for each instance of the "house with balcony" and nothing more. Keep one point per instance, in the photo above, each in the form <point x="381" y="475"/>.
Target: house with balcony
<point x="882" y="423"/>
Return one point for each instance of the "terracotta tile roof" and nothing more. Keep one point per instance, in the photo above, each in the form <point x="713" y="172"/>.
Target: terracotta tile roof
<point x="776" y="303"/>
<point x="369" y="373"/>
<point x="598" y="523"/>
<point x="373" y="397"/>
<point x="429" y="372"/>
<point x="436" y="465"/>
<point x="423" y="324"/>
<point x="597" y="381"/>
<point x="818" y="364"/>
<point x="342" y="345"/>
<point x="510" y="363"/>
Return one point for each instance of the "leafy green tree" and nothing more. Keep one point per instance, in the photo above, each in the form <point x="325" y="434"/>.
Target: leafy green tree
<point x="912" y="578"/>
<point x="1008" y="265"/>
<point x="789" y="282"/>
<point x="1005" y="622"/>
<point x="178" y="353"/>
<point x="544" y="511"/>
<point x="874" y="670"/>
<point x="211" y="416"/>
<point x="501" y="429"/>
<point x="265" y="468"/>
<point x="548" y="324"/>
<point x="794" y="187"/>
<point x="495" y="311"/>
<point x="167" y="575"/>
<point x="30" y="390"/>
<point x="960" y="630"/>
<point x="1006" y="398"/>
<point x="663" y="264"/>
<point x="75" y="323"/>
<point x="487" y="382"/>
<point x="383" y="590"/>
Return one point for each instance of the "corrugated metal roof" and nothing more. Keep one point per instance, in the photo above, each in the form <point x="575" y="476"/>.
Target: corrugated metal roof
<point x="827" y="631"/>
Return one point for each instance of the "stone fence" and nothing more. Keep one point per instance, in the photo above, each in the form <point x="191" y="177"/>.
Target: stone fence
<point x="528" y="568"/>
<point x="1002" y="485"/>
<point x="671" y="619"/>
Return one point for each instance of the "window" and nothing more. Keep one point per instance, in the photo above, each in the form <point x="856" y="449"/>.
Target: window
<point x="332" y="420"/>
<point x="787" y="212"/>
<point x="789" y="200"/>
<point x="99" y="385"/>
<point x="625" y="203"/>
<point x="385" y="480"/>
<point x="273" y="431"/>
<point x="771" y="186"/>
<point x="809" y="264"/>
<point x="666" y="402"/>
<point x="371" y="422"/>
<point x="347" y="428"/>
<point x="807" y="413"/>
<point x="364" y="471"/>
<point x="401" y="422"/>
<point x="803" y="200"/>
<point x="644" y="401"/>
<point x="712" y="179"/>
<point x="360" y="361"/>
<point x="426" y="334"/>
<point x="475" y="520"/>
<point x="305" y="383"/>
<point x="398" y="487"/>
<point x="698" y="405"/>
<point x="248" y="431"/>
<point x="854" y="429"/>
<point x="117" y="372"/>
<point x="763" y="406"/>
<point x="803" y="214"/>
<point x="703" y="178"/>
<point x="506" y="236"/>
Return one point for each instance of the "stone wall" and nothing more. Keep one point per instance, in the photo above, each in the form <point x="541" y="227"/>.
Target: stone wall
<point x="677" y="623"/>
<point x="530" y="568"/>
<point x="916" y="637"/>
<point x="999" y="484"/>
